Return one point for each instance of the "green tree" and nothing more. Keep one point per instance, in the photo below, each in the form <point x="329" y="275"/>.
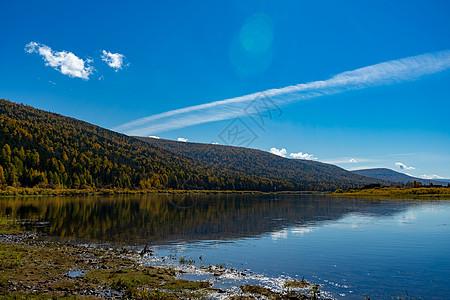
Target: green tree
<point x="6" y="154"/>
<point x="2" y="176"/>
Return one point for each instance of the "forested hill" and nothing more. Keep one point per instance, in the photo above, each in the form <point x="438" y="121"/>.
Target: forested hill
<point x="43" y="149"/>
<point x="307" y="174"/>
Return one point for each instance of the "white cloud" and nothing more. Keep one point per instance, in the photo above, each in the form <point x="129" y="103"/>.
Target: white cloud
<point x="154" y="137"/>
<point x="364" y="167"/>
<point x="215" y="143"/>
<point x="180" y="139"/>
<point x="301" y="155"/>
<point x="65" y="62"/>
<point x="114" y="60"/>
<point x="279" y="152"/>
<point x="403" y="166"/>
<point x="352" y="160"/>
<point x="431" y="176"/>
<point x="385" y="73"/>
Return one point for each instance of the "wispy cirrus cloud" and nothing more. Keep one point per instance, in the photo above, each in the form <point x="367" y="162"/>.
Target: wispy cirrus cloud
<point x="403" y="166"/>
<point x="431" y="176"/>
<point x="63" y="61"/>
<point x="349" y="160"/>
<point x="385" y="73"/>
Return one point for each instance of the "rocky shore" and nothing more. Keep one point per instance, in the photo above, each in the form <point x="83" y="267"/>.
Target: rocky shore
<point x="31" y="268"/>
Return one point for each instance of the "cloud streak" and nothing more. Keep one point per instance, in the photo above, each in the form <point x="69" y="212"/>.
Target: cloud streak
<point x="65" y="62"/>
<point x="385" y="73"/>
<point x="431" y="176"/>
<point x="301" y="155"/>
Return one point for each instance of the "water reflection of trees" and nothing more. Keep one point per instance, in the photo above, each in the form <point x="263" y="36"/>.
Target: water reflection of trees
<point x="155" y="218"/>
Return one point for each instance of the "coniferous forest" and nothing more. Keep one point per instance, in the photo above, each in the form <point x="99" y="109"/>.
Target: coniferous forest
<point x="48" y="150"/>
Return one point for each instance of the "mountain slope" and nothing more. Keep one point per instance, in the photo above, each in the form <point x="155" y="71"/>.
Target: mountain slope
<point x="388" y="174"/>
<point x="308" y="175"/>
<point x="39" y="148"/>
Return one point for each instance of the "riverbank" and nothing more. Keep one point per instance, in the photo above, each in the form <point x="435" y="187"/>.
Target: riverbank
<point x="396" y="192"/>
<point x="31" y="268"/>
<point x="13" y="191"/>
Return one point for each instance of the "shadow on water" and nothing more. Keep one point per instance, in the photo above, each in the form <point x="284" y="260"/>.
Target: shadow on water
<point x="159" y="218"/>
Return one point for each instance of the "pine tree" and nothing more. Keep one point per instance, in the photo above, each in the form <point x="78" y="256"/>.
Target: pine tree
<point x="6" y="154"/>
<point x="2" y="176"/>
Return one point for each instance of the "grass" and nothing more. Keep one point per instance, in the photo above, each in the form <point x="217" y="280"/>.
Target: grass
<point x="8" y="226"/>
<point x="294" y="284"/>
<point x="258" y="291"/>
<point x="10" y="191"/>
<point x="397" y="192"/>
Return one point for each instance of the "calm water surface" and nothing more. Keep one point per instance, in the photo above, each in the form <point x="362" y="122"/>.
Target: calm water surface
<point x="352" y="247"/>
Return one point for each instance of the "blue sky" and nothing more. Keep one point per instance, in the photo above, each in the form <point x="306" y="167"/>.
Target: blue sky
<point x="167" y="55"/>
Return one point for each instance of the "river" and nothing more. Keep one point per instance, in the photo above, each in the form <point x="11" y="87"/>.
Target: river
<point x="352" y="247"/>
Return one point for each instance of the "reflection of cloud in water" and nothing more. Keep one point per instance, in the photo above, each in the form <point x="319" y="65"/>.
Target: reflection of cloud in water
<point x="354" y="220"/>
<point x="281" y="234"/>
<point x="407" y="217"/>
<point x="301" y="231"/>
<point x="293" y="231"/>
<point x="435" y="207"/>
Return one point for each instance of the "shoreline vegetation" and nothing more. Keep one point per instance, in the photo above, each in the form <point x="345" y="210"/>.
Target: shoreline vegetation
<point x="379" y="191"/>
<point x="33" y="269"/>
<point x="395" y="192"/>
<point x="26" y="191"/>
<point x="392" y="192"/>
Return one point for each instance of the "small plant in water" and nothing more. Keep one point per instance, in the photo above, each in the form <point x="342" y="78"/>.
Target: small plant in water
<point x="314" y="290"/>
<point x="221" y="266"/>
<point x="186" y="260"/>
<point x="407" y="297"/>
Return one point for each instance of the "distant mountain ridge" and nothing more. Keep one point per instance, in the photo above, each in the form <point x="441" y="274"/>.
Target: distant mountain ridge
<point x="391" y="175"/>
<point x="310" y="175"/>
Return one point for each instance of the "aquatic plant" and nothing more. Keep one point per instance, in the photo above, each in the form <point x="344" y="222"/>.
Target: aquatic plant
<point x="315" y="291"/>
<point x="186" y="260"/>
